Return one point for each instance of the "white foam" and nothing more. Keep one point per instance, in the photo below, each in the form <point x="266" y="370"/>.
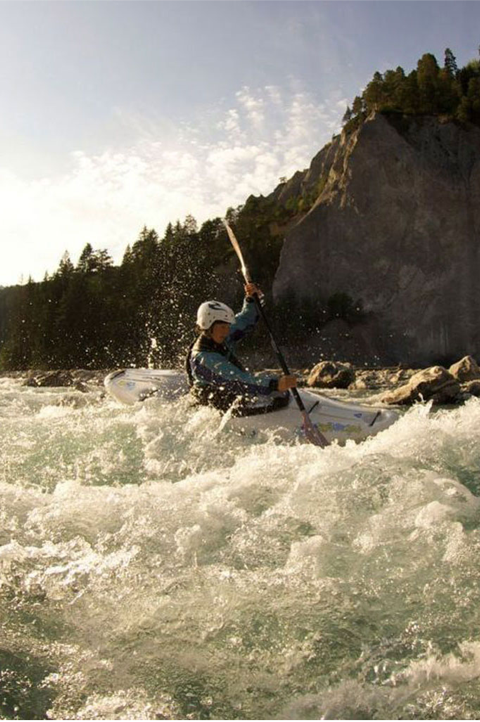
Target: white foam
<point x="239" y="569"/>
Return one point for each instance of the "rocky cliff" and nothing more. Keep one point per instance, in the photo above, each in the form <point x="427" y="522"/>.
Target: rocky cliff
<point x="395" y="223"/>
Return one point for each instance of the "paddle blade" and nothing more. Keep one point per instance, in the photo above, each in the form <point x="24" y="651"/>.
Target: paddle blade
<point x="238" y="251"/>
<point x="312" y="434"/>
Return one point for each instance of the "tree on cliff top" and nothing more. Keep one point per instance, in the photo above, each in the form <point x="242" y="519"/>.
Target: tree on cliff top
<point x="427" y="90"/>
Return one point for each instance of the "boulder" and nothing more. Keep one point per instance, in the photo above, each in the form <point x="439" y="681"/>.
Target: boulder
<point x="331" y="375"/>
<point x="433" y="384"/>
<point x="380" y="378"/>
<point x="399" y="376"/>
<point x="368" y="379"/>
<point x="465" y="370"/>
<point x="43" y="379"/>
<point x="79" y="379"/>
<point x="472" y="388"/>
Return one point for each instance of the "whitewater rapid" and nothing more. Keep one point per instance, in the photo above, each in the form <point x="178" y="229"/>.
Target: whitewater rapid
<point x="153" y="566"/>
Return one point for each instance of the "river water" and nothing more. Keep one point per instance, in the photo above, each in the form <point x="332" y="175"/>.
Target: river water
<point x="155" y="567"/>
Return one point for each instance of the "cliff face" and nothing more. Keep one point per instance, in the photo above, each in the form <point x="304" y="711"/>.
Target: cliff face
<point x="397" y="224"/>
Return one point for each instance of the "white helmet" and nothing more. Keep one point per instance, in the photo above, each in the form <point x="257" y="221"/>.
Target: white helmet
<point x="212" y="311"/>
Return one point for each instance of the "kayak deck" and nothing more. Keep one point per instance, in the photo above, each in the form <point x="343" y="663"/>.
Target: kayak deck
<point x="337" y="420"/>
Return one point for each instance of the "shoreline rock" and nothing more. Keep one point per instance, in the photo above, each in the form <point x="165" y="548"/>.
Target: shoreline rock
<point x="331" y="375"/>
<point x="79" y="379"/>
<point x="433" y="384"/>
<point x="401" y="386"/>
<point x="465" y="370"/>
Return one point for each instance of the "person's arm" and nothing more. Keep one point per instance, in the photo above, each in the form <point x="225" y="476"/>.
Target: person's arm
<point x="244" y="323"/>
<point x="246" y="320"/>
<point x="214" y="369"/>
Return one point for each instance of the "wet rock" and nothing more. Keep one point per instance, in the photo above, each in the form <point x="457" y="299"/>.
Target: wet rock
<point x="43" y="379"/>
<point x="74" y="401"/>
<point x="368" y="379"/>
<point x="80" y="386"/>
<point x="400" y="377"/>
<point x="87" y="376"/>
<point x="465" y="370"/>
<point x="79" y="379"/>
<point x="331" y="375"/>
<point x="360" y="384"/>
<point x="435" y="384"/>
<point x="381" y="378"/>
<point x="471" y="388"/>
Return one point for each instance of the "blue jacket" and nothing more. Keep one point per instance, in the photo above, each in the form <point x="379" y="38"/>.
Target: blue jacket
<point x="214" y="366"/>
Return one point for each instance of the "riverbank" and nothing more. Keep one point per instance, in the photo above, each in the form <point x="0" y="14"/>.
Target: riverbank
<point x="394" y="384"/>
<point x="365" y="378"/>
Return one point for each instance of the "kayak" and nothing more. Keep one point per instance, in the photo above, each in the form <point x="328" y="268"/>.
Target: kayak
<point x="337" y="420"/>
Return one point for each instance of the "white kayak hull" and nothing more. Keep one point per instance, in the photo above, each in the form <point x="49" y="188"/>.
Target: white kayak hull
<point x="337" y="420"/>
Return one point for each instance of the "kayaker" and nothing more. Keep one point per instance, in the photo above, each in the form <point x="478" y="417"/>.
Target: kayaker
<point x="216" y="376"/>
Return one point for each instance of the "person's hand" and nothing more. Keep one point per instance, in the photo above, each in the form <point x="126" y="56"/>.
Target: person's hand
<point x="287" y="382"/>
<point x="251" y="289"/>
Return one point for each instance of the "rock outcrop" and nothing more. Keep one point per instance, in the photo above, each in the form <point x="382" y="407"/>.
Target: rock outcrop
<point x="396" y="224"/>
<point x="471" y="388"/>
<point x="330" y="375"/>
<point x="433" y="384"/>
<point x="381" y="378"/>
<point x="465" y="370"/>
<point x="79" y="379"/>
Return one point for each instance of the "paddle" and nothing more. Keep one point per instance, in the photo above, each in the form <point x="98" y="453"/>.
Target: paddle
<point x="313" y="435"/>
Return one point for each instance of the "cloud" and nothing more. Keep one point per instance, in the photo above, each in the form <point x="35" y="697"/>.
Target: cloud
<point x="254" y="106"/>
<point x="201" y="168"/>
<point x="231" y="124"/>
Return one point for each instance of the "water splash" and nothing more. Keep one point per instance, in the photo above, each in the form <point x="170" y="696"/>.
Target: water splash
<point x="153" y="566"/>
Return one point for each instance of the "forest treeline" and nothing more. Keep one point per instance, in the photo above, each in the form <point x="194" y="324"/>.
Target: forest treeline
<point x="94" y="314"/>
<point x="447" y="91"/>
<point x="97" y="315"/>
<point x="142" y="312"/>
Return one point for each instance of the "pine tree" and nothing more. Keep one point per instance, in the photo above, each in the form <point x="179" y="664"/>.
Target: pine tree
<point x="347" y="116"/>
<point x="91" y="261"/>
<point x="66" y="266"/>
<point x="450" y="63"/>
<point x="373" y="93"/>
<point x="85" y="260"/>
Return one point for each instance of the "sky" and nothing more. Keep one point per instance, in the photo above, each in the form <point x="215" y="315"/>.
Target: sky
<point x="119" y="114"/>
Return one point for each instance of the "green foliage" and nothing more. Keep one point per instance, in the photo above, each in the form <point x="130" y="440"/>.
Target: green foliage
<point x="348" y="115"/>
<point x="450" y="63"/>
<point x="96" y="315"/>
<point x="261" y="247"/>
<point x="90" y="261"/>
<point x="427" y="90"/>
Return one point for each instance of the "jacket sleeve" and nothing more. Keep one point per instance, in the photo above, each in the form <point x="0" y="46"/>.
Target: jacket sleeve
<point x="244" y="323"/>
<point x="212" y="368"/>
